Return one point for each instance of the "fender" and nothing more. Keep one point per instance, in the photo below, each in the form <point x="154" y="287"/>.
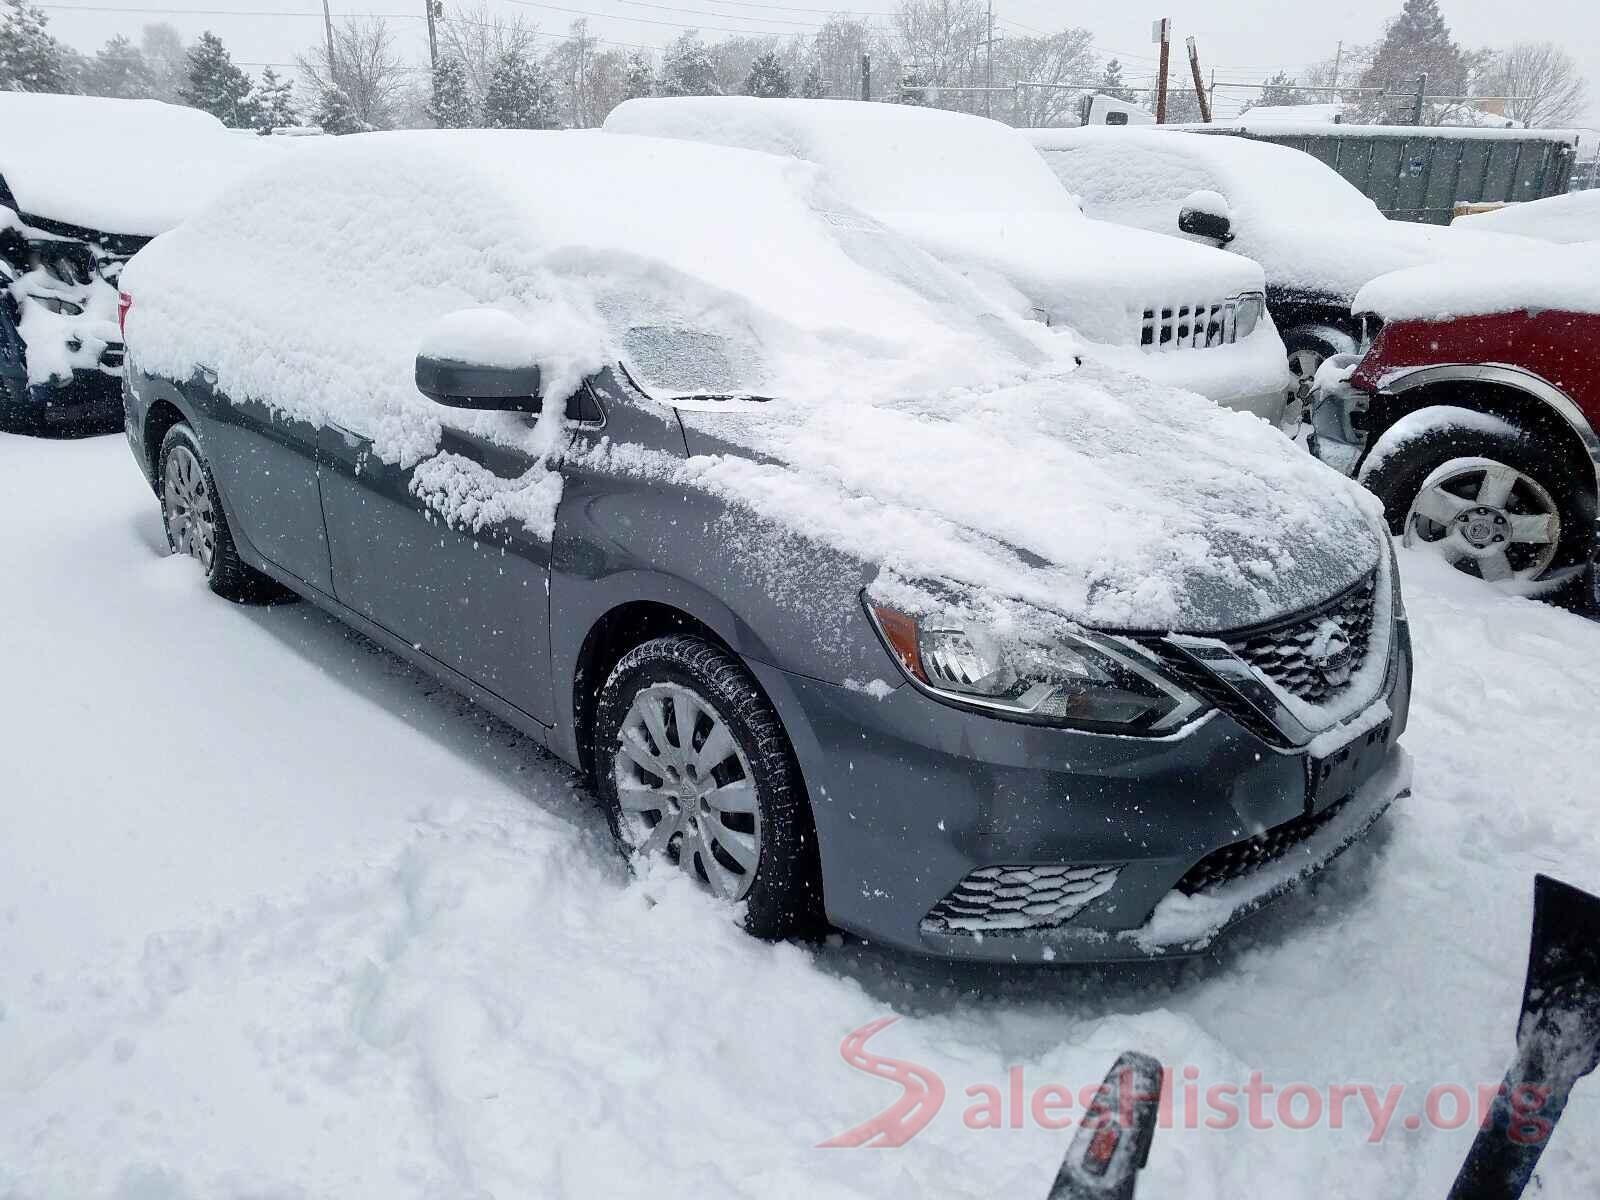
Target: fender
<point x="1536" y="387"/>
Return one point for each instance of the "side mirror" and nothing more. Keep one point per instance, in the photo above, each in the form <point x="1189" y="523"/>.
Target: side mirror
<point x="1205" y="214"/>
<point x="480" y="358"/>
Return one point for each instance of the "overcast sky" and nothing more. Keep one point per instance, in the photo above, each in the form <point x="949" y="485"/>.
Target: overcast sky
<point x="1242" y="39"/>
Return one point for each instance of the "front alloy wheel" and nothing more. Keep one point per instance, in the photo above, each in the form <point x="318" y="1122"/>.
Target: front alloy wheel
<point x="1486" y="517"/>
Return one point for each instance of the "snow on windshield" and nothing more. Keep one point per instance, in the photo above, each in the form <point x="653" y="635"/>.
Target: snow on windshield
<point x="118" y="166"/>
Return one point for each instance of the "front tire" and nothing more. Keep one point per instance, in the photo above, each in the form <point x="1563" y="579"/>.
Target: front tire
<point x="693" y="764"/>
<point x="1484" y="494"/>
<point x="191" y="511"/>
<point x="1309" y="346"/>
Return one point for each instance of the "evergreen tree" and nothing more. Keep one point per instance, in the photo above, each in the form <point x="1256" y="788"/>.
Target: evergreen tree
<point x="639" y="77"/>
<point x="813" y="86"/>
<point x="1111" y="83"/>
<point x="451" y="106"/>
<point x="1415" y="43"/>
<point x="518" y="96"/>
<point x="274" y="102"/>
<point x="687" y="69"/>
<point x="119" y="69"/>
<point x="335" y="113"/>
<point x="217" y="86"/>
<point x="30" y="59"/>
<point x="1282" y="88"/>
<point x="768" y="77"/>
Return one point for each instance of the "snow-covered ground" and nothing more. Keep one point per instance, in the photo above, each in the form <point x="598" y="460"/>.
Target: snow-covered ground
<point x="279" y="917"/>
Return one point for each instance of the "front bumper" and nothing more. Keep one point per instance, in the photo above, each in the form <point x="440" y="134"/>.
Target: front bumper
<point x="1250" y="375"/>
<point x="91" y="402"/>
<point x="912" y="798"/>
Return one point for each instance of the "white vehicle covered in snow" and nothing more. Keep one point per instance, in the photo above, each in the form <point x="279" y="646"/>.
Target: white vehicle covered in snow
<point x="971" y="192"/>
<point x="84" y="182"/>
<point x="1317" y="238"/>
<point x="1574" y="217"/>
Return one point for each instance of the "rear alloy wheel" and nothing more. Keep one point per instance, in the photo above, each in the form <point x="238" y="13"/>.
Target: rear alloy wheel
<point x="196" y="526"/>
<point x="694" y="767"/>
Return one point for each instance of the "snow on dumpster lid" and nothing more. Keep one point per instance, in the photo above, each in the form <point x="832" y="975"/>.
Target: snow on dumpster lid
<point x="116" y="166"/>
<point x="1564" y="278"/>
<point x="1573" y="217"/>
<point x="1278" y="128"/>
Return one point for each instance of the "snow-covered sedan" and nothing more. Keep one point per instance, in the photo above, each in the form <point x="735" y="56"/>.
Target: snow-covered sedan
<point x="1315" y="235"/>
<point x="970" y="192"/>
<point x="84" y="182"/>
<point x="853" y="597"/>
<point x="1567" y="219"/>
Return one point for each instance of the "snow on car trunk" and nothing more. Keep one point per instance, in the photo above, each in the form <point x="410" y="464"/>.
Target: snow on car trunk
<point x="316" y="927"/>
<point x="1101" y="496"/>
<point x="1574" y="217"/>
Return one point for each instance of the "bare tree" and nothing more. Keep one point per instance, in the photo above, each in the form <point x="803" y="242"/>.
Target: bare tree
<point x="1546" y="75"/>
<point x="481" y="38"/>
<point x="366" y="68"/>
<point x="941" y="41"/>
<point x="1066" y="57"/>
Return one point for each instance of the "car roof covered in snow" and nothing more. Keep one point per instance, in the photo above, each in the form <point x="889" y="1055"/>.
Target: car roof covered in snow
<point x="1564" y="278"/>
<point x="134" y="167"/>
<point x="1574" y="217"/>
<point x="970" y="191"/>
<point x="909" y="426"/>
<point x="1309" y="228"/>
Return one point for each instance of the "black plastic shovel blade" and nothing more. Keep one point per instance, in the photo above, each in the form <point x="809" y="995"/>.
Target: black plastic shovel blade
<point x="1113" y="1141"/>
<point x="1558" y="1042"/>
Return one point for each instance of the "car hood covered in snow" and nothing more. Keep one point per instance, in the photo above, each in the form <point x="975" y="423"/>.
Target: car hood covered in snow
<point x="1308" y="227"/>
<point x="969" y="191"/>
<point x="913" y="429"/>
<point x="1563" y="278"/>
<point x="133" y="167"/>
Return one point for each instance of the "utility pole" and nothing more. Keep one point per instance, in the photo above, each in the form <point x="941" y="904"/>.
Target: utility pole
<point x="435" y="8"/>
<point x="988" y="64"/>
<point x="1338" y="57"/>
<point x="327" y="29"/>
<point x="1199" y="86"/>
<point x="1422" y="90"/>
<point x="1161" y="31"/>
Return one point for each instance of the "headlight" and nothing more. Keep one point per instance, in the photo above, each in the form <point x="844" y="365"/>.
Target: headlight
<point x="1082" y="681"/>
<point x="1247" y="313"/>
<point x="56" y="304"/>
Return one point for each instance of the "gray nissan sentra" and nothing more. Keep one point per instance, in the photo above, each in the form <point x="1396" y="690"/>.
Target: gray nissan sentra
<point x="853" y="592"/>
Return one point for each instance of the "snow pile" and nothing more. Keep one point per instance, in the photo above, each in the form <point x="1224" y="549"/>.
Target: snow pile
<point x="1574" y="217"/>
<point x="1322" y="114"/>
<point x="117" y="166"/>
<point x="1308" y="227"/>
<point x="969" y="191"/>
<point x="1565" y="278"/>
<point x="404" y="961"/>
<point x="1125" y="503"/>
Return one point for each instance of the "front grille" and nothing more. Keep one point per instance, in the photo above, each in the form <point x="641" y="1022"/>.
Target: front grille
<point x="1008" y="899"/>
<point x="1186" y="326"/>
<point x="1241" y="858"/>
<point x="1285" y="655"/>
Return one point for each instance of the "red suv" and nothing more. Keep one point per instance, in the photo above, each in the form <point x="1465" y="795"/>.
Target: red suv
<point x="1473" y="412"/>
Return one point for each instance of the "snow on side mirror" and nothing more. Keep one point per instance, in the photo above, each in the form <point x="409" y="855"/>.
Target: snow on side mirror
<point x="480" y="358"/>
<point x="1205" y="214"/>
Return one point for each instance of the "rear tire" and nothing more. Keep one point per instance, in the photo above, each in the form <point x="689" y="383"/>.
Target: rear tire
<point x="196" y="525"/>
<point x="692" y="763"/>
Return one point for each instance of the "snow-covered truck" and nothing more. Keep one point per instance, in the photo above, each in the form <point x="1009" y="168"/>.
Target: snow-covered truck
<point x="84" y="183"/>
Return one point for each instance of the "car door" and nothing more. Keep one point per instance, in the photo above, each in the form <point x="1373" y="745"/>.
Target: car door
<point x="476" y="600"/>
<point x="267" y="466"/>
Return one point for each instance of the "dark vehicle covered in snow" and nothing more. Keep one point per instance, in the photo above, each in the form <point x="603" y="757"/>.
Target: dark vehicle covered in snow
<point x="84" y="183"/>
<point x="853" y="596"/>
